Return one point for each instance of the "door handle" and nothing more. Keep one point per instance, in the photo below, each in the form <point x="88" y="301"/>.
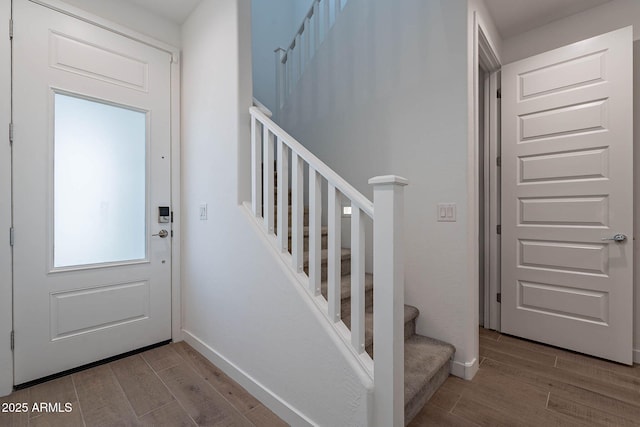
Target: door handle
<point x="616" y="238"/>
<point x="163" y="233"/>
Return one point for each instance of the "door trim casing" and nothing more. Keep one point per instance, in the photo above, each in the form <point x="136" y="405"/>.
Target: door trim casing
<point x="492" y="262"/>
<point x="489" y="61"/>
<point x="491" y="203"/>
<point x="481" y="46"/>
<point x="6" y="294"/>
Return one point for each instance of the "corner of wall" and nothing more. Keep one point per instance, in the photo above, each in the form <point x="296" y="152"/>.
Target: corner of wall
<point x="245" y="99"/>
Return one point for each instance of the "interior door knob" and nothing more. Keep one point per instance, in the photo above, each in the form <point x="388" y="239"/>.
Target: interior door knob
<point x="163" y="233"/>
<point x="616" y="238"/>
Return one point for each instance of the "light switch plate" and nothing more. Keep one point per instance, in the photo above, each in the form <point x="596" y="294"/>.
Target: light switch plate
<point x="446" y="212"/>
<point x="204" y="214"/>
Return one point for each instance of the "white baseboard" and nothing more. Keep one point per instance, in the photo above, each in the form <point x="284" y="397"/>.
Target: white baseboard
<point x="465" y="370"/>
<point x="259" y="391"/>
<point x="636" y="355"/>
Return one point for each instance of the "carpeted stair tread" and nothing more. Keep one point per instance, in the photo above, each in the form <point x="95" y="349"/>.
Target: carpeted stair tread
<point x="345" y="254"/>
<point x="324" y="231"/>
<point x="410" y="314"/>
<point x="345" y="285"/>
<point x="426" y="367"/>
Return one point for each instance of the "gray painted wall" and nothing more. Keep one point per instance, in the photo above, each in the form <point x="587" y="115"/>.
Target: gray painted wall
<point x="389" y="95"/>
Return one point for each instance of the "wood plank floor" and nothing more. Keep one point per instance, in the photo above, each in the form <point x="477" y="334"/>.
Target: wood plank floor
<point x="169" y="386"/>
<point x="521" y="383"/>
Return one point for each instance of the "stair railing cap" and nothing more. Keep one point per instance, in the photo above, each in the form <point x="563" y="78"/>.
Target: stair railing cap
<point x="389" y="179"/>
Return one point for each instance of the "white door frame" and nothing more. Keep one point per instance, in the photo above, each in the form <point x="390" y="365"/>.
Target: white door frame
<point x="492" y="185"/>
<point x="490" y="62"/>
<point x="6" y="294"/>
<point x="485" y="55"/>
<point x="491" y="205"/>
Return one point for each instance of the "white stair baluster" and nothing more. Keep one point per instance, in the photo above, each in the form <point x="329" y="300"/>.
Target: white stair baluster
<point x="256" y="163"/>
<point x="307" y="40"/>
<point x="267" y="180"/>
<point x="316" y="25"/>
<point x="357" y="279"/>
<point x="289" y="66"/>
<point x="334" y="253"/>
<point x="299" y="53"/>
<point x="315" y="218"/>
<point x="283" y="196"/>
<point x="297" y="212"/>
<point x="327" y="19"/>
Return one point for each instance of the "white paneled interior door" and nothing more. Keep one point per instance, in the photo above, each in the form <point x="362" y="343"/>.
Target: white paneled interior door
<point x="92" y="270"/>
<point x="567" y="171"/>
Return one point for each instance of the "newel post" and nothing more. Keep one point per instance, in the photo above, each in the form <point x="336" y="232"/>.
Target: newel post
<point x="388" y="300"/>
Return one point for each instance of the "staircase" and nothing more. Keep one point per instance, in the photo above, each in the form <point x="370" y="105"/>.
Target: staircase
<point x="337" y="274"/>
<point x="426" y="361"/>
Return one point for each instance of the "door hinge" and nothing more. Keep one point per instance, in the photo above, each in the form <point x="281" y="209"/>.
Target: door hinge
<point x="498" y="161"/>
<point x="13" y="340"/>
<point x="12" y="237"/>
<point x="171" y="233"/>
<point x="171" y="217"/>
<point x="499" y="297"/>
<point x="11" y="133"/>
<point x="499" y="94"/>
<point x="10" y="29"/>
<point x="499" y="229"/>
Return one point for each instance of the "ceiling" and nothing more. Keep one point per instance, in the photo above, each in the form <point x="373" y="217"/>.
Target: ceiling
<point x="514" y="17"/>
<point x="174" y="10"/>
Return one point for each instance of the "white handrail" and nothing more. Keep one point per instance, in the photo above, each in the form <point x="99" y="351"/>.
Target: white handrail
<point x="262" y="107"/>
<point x="333" y="178"/>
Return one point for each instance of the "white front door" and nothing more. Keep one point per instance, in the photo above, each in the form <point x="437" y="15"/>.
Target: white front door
<point x="91" y="167"/>
<point x="567" y="170"/>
